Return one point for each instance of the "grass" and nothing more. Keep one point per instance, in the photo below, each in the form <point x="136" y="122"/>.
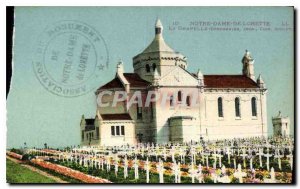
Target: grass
<point x="17" y="174"/>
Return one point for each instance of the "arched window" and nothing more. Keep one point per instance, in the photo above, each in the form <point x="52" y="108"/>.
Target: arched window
<point x="118" y="130"/>
<point x="237" y="107"/>
<point x="171" y="101"/>
<point x="153" y="67"/>
<point x="147" y="68"/>
<point x="220" y="107"/>
<point x="179" y="96"/>
<point x="152" y="110"/>
<point x="188" y="101"/>
<point x="254" y="106"/>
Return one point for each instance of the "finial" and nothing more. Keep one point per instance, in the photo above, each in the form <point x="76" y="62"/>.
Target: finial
<point x="158" y="27"/>
<point x="156" y="74"/>
<point x="158" y="23"/>
<point x="120" y="67"/>
<point x="248" y="54"/>
<point x="260" y="81"/>
<point x="199" y="74"/>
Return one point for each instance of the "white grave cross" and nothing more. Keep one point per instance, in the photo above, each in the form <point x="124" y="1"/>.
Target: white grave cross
<point x="239" y="174"/>
<point x="147" y="167"/>
<point x="260" y="153"/>
<point x="278" y="156"/>
<point x="244" y="157"/>
<point x="267" y="155"/>
<point x="228" y="152"/>
<point x="136" y="169"/>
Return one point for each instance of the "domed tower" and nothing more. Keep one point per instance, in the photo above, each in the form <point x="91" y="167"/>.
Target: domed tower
<point x="157" y="56"/>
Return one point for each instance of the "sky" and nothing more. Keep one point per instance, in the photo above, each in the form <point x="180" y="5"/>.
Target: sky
<point x="37" y="116"/>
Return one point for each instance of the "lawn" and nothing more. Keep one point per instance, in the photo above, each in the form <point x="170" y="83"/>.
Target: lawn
<point x="15" y="173"/>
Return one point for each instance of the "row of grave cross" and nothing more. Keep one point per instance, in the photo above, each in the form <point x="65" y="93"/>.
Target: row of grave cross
<point x="194" y="152"/>
<point x="247" y="150"/>
<point x="86" y="161"/>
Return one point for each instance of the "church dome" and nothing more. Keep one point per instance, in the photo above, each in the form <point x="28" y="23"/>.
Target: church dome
<point x="158" y="55"/>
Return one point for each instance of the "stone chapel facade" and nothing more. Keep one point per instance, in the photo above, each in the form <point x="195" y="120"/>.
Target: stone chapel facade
<point x="230" y="106"/>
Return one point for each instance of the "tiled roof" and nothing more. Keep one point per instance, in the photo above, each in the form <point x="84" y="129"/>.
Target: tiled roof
<point x="133" y="78"/>
<point x="115" y="83"/>
<point x="228" y="81"/>
<point x="210" y="81"/>
<point x="116" y="117"/>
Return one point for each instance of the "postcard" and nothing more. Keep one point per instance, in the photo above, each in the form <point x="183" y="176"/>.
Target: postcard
<point x="169" y="95"/>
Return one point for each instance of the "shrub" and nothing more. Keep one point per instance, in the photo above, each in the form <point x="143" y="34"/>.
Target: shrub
<point x="18" y="151"/>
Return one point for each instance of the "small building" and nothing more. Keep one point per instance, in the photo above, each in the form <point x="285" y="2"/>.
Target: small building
<point x="115" y="130"/>
<point x="281" y="126"/>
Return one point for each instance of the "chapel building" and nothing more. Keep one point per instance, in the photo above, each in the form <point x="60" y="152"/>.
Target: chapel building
<point x="229" y="106"/>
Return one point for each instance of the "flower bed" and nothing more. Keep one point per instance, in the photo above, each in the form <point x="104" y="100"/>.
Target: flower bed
<point x="252" y="177"/>
<point x="69" y="172"/>
<point x="257" y="176"/>
<point x="14" y="155"/>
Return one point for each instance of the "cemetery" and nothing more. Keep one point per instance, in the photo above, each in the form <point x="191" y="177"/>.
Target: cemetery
<point x="249" y="160"/>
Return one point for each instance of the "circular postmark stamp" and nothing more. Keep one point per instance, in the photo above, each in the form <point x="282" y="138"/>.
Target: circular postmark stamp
<point x="69" y="58"/>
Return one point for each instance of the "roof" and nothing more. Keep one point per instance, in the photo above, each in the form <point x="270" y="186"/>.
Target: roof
<point x="116" y="116"/>
<point x="89" y="124"/>
<point x="115" y="83"/>
<point x="90" y="121"/>
<point x="158" y="45"/>
<point x="133" y="78"/>
<point x="229" y="81"/>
